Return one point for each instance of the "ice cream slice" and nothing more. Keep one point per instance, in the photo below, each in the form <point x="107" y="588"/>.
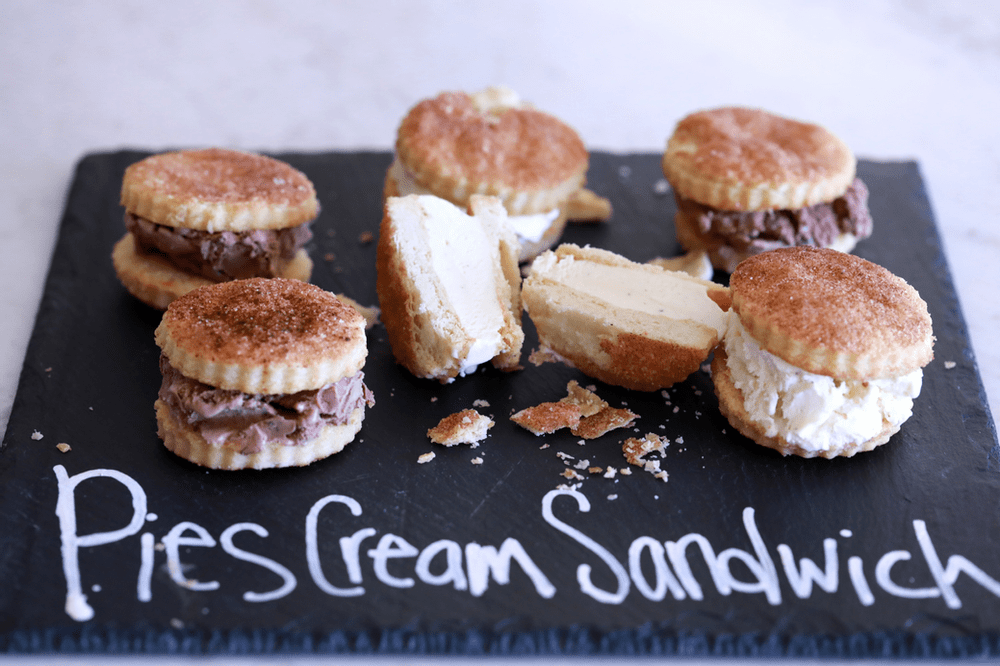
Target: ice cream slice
<point x="449" y="286"/>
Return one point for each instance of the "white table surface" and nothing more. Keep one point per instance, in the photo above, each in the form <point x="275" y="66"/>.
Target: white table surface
<point x="896" y="79"/>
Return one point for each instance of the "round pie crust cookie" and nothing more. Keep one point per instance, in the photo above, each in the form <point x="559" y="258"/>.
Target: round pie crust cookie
<point x="264" y="337"/>
<point x="747" y="159"/>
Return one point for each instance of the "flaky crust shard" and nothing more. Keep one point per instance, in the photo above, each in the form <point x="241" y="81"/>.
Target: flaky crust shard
<point x="744" y="159"/>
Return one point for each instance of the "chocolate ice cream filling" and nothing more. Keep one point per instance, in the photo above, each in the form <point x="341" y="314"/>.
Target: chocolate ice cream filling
<point x="246" y="422"/>
<point x="220" y="256"/>
<point x="757" y="231"/>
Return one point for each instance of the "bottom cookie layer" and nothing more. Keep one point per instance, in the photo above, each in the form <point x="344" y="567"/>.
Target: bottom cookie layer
<point x="731" y="406"/>
<point x="156" y="282"/>
<point x="184" y="441"/>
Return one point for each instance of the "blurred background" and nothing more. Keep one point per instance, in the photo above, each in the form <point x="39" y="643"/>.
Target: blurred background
<point x="896" y="79"/>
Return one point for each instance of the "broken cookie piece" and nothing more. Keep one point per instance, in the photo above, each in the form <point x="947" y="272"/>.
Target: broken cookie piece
<point x="547" y="417"/>
<point x="603" y="422"/>
<point x="465" y="427"/>
<point x="584" y="398"/>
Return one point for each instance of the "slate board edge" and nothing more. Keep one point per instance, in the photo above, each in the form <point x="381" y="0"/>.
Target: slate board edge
<point x="574" y="640"/>
<point x="647" y="641"/>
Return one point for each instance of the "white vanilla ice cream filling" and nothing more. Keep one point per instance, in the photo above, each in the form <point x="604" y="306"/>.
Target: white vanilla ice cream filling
<point x="661" y="294"/>
<point x="814" y="412"/>
<point x="456" y="247"/>
<point x="528" y="228"/>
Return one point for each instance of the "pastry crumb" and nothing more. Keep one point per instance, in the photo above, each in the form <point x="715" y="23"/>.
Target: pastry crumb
<point x="465" y="427"/>
<point x="371" y="314"/>
<point x="64" y="447"/>
<point x="584" y="398"/>
<point x="635" y="449"/>
<point x="482" y="404"/>
<point x="35" y="435"/>
<point x="366" y="237"/>
<point x="948" y="365"/>
<point x="426" y="457"/>
<point x="477" y="461"/>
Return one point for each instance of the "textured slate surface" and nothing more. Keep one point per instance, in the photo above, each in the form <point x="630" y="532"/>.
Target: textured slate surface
<point x="904" y="538"/>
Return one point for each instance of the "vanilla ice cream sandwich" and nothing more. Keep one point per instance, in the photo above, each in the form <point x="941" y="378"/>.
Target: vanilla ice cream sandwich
<point x="746" y="181"/>
<point x="823" y="352"/>
<point x="456" y="145"/>
<point x="260" y="373"/>
<point x="628" y="324"/>
<point x="449" y="286"/>
<point x="197" y="217"/>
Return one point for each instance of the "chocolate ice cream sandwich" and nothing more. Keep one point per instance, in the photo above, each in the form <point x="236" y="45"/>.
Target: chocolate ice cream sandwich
<point x="746" y="181"/>
<point x="198" y="217"/>
<point x="260" y="373"/>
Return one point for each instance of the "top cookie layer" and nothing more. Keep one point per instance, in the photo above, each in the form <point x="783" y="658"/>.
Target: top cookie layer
<point x="218" y="190"/>
<point x="832" y="313"/>
<point x="263" y="336"/>
<point x="748" y="159"/>
<point x="457" y="145"/>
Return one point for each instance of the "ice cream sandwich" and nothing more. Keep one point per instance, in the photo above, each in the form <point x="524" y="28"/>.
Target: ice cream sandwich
<point x="823" y="352"/>
<point x="197" y="217"/>
<point x="456" y="145"/>
<point x="628" y="324"/>
<point x="449" y="286"/>
<point x="260" y="373"/>
<point x="746" y="181"/>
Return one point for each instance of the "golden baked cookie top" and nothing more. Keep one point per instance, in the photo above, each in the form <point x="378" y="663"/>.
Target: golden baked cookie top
<point x="743" y="159"/>
<point x="831" y="313"/>
<point x="218" y="190"/>
<point x="457" y="144"/>
<point x="263" y="336"/>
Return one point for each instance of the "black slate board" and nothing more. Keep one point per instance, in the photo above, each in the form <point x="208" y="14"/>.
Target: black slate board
<point x="90" y="378"/>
